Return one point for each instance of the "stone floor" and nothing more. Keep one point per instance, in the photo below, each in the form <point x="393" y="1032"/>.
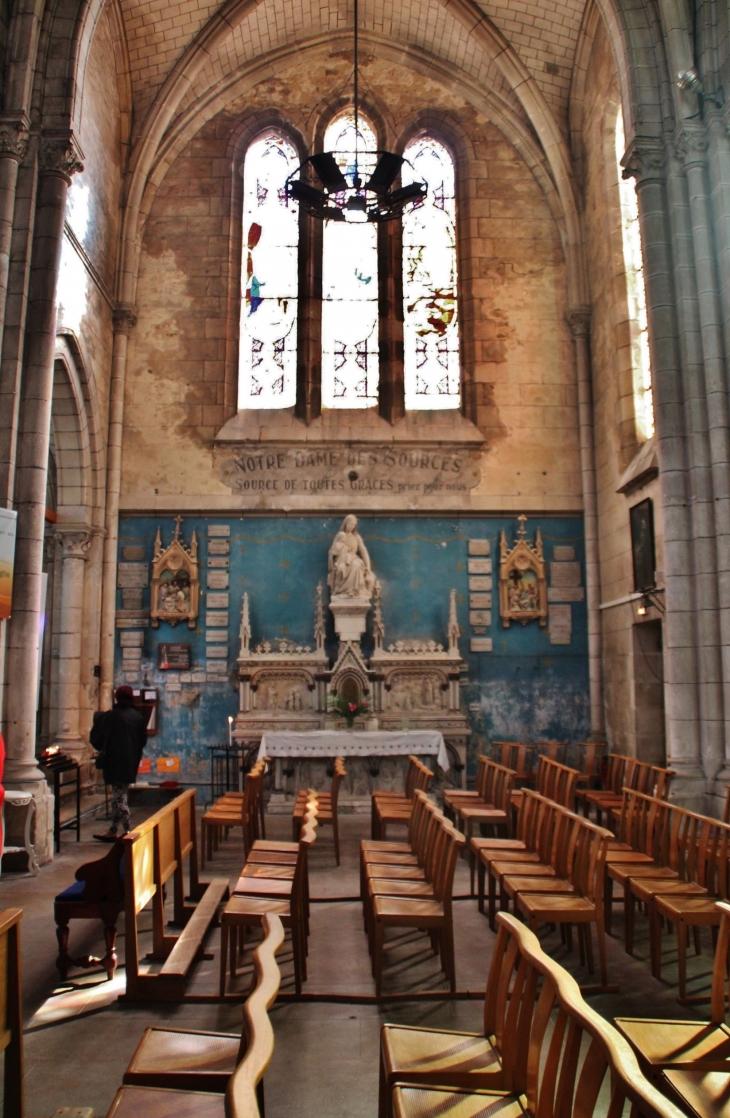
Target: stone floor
<point x="79" y="1037"/>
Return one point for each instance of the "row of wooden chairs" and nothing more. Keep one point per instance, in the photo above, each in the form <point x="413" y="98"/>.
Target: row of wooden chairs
<point x="274" y="881"/>
<point x="553" y="875"/>
<point x="395" y="807"/>
<point x="522" y="757"/>
<point x="327" y="805"/>
<point x="218" y="1075"/>
<point x="236" y="809"/>
<point x="555" y="781"/>
<point x="625" y="772"/>
<point x="543" y="1051"/>
<point x="675" y="862"/>
<point x="410" y="885"/>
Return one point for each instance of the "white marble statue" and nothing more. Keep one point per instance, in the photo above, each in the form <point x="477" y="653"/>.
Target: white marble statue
<point x="350" y="574"/>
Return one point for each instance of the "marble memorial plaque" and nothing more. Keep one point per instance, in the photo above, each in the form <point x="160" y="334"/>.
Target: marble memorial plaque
<point x="133" y="553"/>
<point x="217" y="580"/>
<point x="171" y="686"/>
<point x="480" y="601"/>
<point x="216" y="636"/>
<point x="131" y="654"/>
<point x="131" y="640"/>
<point x="218" y="561"/>
<point x="199" y="677"/>
<point x="132" y="575"/>
<point x="373" y="471"/>
<point x="481" y="582"/>
<point x="186" y="677"/>
<point x="561" y="624"/>
<point x="566" y="594"/>
<point x="135" y="622"/>
<point x="563" y="554"/>
<point x="131" y="677"/>
<point x="217" y="601"/>
<point x="479" y="547"/>
<point x="222" y="653"/>
<point x="479" y="566"/>
<point x="219" y="547"/>
<point x="132" y="599"/>
<point x="565" y="574"/>
<point x="480" y="644"/>
<point x="480" y="617"/>
<point x="216" y="620"/>
<point x="218" y="667"/>
<point x="219" y="529"/>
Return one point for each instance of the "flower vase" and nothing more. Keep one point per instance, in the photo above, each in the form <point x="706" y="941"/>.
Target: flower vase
<point x="350" y="724"/>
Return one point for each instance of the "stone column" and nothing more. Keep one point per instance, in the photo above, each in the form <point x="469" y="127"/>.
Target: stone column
<point x="75" y="543"/>
<point x="579" y="321"/>
<point x="124" y="320"/>
<point x="13" y="146"/>
<point x="59" y="159"/>
<point x="645" y="160"/>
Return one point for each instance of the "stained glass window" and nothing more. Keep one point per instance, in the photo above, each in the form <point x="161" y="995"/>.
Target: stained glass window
<point x="350" y="288"/>
<point x="636" y="293"/>
<point x="268" y="353"/>
<point x="430" y="327"/>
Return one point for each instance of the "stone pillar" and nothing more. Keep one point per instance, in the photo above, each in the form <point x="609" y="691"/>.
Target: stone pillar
<point x="124" y="319"/>
<point x="579" y="321"/>
<point x="75" y="543"/>
<point x="59" y="159"/>
<point x="13" y="146"/>
<point x="645" y="160"/>
<point x="391" y="394"/>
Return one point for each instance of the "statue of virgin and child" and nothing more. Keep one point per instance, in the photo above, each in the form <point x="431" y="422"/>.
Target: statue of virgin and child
<point x="350" y="574"/>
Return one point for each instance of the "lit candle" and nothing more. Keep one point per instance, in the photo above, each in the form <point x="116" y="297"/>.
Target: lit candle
<point x="230" y="730"/>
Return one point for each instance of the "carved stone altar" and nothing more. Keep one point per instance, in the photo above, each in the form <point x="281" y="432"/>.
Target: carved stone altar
<point x="410" y="684"/>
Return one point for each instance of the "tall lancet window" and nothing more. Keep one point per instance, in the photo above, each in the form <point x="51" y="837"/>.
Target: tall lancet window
<point x="269" y="275"/>
<point x="636" y="293"/>
<point x="350" y="286"/>
<point x="430" y="327"/>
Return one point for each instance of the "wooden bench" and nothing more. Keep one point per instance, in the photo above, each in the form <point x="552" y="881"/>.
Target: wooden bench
<point x="152" y="1088"/>
<point x="553" y="1072"/>
<point x="11" y="1014"/>
<point x="155" y="852"/>
<point x="97" y="894"/>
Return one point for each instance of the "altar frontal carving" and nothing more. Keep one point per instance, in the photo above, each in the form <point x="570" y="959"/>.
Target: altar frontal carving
<point x="522" y="584"/>
<point x="175" y="587"/>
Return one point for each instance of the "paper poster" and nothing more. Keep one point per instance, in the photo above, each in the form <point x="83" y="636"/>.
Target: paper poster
<point x="8" y="522"/>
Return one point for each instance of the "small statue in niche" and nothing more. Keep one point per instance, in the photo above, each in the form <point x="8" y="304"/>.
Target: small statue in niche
<point x="522" y="585"/>
<point x="174" y="587"/>
<point x="350" y="573"/>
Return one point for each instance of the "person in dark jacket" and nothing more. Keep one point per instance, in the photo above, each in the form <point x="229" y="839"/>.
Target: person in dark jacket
<point x="120" y="735"/>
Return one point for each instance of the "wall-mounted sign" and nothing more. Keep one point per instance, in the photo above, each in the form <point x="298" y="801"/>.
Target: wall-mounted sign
<point x="176" y="657"/>
<point x="8" y="523"/>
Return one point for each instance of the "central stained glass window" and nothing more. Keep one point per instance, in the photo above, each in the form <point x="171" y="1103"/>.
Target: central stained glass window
<point x="430" y="326"/>
<point x="350" y="287"/>
<point x="268" y="353"/>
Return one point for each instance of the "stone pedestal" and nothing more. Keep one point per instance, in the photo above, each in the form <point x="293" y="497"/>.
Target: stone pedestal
<point x="350" y="616"/>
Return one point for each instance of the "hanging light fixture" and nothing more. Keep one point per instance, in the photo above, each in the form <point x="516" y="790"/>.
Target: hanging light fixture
<point x="355" y="186"/>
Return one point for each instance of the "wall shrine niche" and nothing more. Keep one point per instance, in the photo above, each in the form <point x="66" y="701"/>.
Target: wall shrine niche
<point x="175" y="587"/>
<point x="522" y="583"/>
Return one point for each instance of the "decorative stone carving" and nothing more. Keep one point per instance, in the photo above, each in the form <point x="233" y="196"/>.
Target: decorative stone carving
<point x="522" y="584"/>
<point x="14" y="137"/>
<point x="351" y="581"/>
<point x="124" y="318"/>
<point x="579" y="321"/>
<point x="644" y="160"/>
<point x="175" y="587"/>
<point x="60" y="154"/>
<point x="75" y="543"/>
<point x="691" y="145"/>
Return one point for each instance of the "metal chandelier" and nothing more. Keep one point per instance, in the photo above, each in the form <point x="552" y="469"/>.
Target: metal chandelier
<point x="345" y="194"/>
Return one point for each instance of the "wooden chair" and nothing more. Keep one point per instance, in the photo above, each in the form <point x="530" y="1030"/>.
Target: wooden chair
<point x="555" y="781"/>
<point x="688" y="1045"/>
<point x="613" y="781"/>
<point x="517" y="756"/>
<point x="565" y="1058"/>
<point x="401" y="857"/>
<point x="255" y="897"/>
<point x="241" y="1096"/>
<point x="232" y="814"/>
<point x="546" y="853"/>
<point x="555" y="750"/>
<point x="326" y="807"/>
<point x="433" y="915"/>
<point x="591" y="755"/>
<point x="11" y="1037"/>
<point x="394" y="811"/>
<point x="524" y="840"/>
<point x="97" y="894"/>
<point x="481" y="793"/>
<point x="496" y="814"/>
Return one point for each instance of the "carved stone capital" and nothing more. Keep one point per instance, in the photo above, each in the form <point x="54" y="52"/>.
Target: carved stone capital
<point x="124" y="318"/>
<point x="14" y="136"/>
<point x="579" y="321"/>
<point x="75" y="542"/>
<point x="60" y="154"/>
<point x="645" y="161"/>
<point x="690" y="144"/>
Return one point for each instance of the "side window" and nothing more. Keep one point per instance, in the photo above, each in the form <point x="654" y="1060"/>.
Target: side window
<point x="269" y="277"/>
<point x="430" y="326"/>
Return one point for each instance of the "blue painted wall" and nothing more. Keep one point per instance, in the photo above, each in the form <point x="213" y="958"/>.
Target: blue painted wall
<point x="525" y="689"/>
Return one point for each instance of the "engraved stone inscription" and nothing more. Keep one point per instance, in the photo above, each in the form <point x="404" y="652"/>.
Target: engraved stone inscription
<point x="565" y="574"/>
<point x="481" y="644"/>
<point x="219" y="529"/>
<point x="566" y="594"/>
<point x="561" y="624"/>
<point x="131" y="575"/>
<point x="480" y="617"/>
<point x="561" y="553"/>
<point x="218" y="561"/>
<point x="219" y="547"/>
<point x="376" y="471"/>
<point x="217" y="580"/>
<point x="135" y="552"/>
<point x="217" y="601"/>
<point x="479" y="566"/>
<point x="481" y="582"/>
<point x="479" y="547"/>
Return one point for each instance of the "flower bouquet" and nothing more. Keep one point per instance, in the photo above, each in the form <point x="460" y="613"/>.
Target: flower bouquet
<point x="347" y="709"/>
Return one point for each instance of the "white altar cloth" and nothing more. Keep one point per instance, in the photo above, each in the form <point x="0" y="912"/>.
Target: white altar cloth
<point x="365" y="743"/>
